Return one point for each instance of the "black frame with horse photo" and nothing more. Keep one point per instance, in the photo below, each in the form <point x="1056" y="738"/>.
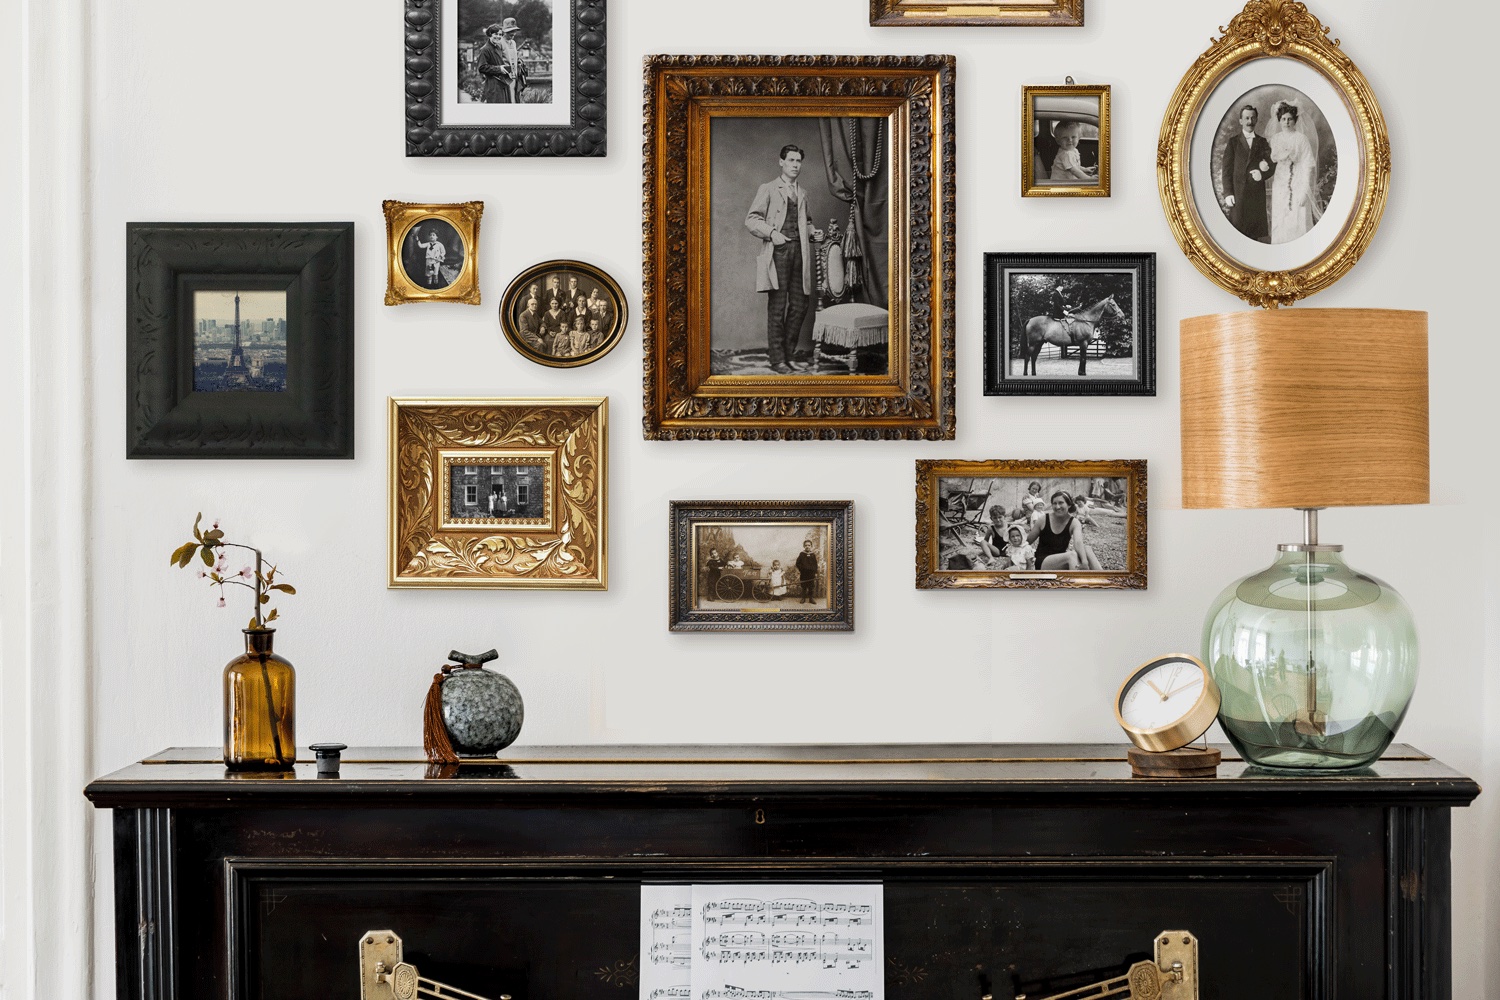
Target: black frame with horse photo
<point x="1070" y="324"/>
<point x="1089" y="517"/>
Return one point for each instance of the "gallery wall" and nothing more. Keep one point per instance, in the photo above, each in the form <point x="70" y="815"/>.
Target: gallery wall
<point x="291" y="111"/>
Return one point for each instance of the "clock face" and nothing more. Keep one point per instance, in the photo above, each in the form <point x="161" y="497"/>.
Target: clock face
<point x="1162" y="694"/>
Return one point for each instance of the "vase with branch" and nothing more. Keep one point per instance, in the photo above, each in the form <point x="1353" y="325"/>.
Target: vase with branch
<point x="260" y="688"/>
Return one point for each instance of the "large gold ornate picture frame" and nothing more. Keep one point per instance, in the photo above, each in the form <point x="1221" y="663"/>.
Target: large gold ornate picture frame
<point x="715" y="128"/>
<point x="498" y="493"/>
<point x="976" y="13"/>
<point x="986" y="525"/>
<point x="1274" y="53"/>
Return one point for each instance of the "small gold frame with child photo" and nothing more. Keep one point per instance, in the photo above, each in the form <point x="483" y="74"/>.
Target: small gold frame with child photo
<point x="1076" y="108"/>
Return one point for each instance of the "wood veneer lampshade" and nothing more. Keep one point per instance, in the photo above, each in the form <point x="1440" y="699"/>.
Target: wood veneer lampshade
<point x="1304" y="408"/>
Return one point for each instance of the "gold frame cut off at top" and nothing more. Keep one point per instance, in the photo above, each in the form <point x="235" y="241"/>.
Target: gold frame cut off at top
<point x="913" y="96"/>
<point x="976" y="13"/>
<point x="1030" y="188"/>
<point x="1273" y="29"/>
<point x="400" y="217"/>
<point x="929" y="524"/>
<point x="429" y="548"/>
<point x="511" y="299"/>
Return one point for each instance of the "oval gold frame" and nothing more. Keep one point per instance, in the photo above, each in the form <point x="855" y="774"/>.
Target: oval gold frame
<point x="507" y="325"/>
<point x="1272" y="29"/>
<point x="1186" y="729"/>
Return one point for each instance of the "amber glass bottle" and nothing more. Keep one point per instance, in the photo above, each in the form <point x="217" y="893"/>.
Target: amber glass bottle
<point x="260" y="707"/>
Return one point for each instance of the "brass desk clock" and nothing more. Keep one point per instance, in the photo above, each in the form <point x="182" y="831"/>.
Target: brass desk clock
<point x="1172" y="976"/>
<point x="1164" y="705"/>
<point x="384" y="976"/>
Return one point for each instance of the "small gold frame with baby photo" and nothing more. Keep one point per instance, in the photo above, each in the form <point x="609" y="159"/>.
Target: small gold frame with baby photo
<point x="1081" y="114"/>
<point x="432" y="252"/>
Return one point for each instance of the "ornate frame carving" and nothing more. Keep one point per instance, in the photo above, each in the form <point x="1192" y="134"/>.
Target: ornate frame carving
<point x="932" y="577"/>
<point x="836" y="515"/>
<point x="1272" y="29"/>
<point x="916" y="398"/>
<point x="428" y="135"/>
<point x="400" y="217"/>
<point x="567" y="553"/>
<point x="976" y="13"/>
<point x="314" y="263"/>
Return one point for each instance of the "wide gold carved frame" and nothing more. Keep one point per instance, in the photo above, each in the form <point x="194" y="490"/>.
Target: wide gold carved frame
<point x="400" y="217"/>
<point x="929" y="524"/>
<point x="976" y="13"/>
<point x="566" y="435"/>
<point x="1273" y="29"/>
<point x="915" y="398"/>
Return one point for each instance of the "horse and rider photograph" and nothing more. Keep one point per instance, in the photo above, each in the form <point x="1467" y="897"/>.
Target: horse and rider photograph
<point x="1070" y="324"/>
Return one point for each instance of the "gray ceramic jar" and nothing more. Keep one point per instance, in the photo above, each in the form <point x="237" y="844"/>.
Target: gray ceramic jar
<point x="482" y="711"/>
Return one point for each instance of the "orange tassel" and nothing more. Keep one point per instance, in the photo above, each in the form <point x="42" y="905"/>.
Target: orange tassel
<point x="434" y="732"/>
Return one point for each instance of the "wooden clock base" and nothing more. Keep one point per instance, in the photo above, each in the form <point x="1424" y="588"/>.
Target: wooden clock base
<point x="1189" y="762"/>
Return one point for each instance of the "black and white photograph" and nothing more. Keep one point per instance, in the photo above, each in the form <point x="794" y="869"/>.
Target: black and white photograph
<point x="762" y="566"/>
<point x="1065" y="141"/>
<point x="497" y="491"/>
<point x="800" y="246"/>
<point x="239" y="341"/>
<point x="432" y="254"/>
<point x="563" y="313"/>
<point x="781" y="565"/>
<point x="504" y="51"/>
<point x="1070" y="324"/>
<point x="1023" y="525"/>
<point x="1275" y="164"/>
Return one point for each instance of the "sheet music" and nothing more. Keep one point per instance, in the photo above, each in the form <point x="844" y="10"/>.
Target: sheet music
<point x="666" y="941"/>
<point x="788" y="942"/>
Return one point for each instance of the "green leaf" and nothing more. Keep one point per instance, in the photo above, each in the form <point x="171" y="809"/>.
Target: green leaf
<point x="183" y="554"/>
<point x="214" y="535"/>
<point x="197" y="521"/>
<point x="254" y="623"/>
<point x="265" y="598"/>
<point x="208" y="555"/>
<point x="285" y="588"/>
<point x="272" y="616"/>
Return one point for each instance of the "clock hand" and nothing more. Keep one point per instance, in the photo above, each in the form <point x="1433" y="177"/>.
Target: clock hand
<point x="1156" y="689"/>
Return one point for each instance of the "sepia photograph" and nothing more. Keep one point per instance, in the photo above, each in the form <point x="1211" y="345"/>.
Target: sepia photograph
<point x="1070" y="324"/>
<point x="563" y="313"/>
<point x="239" y="341"/>
<point x="800" y="251"/>
<point x="497" y="491"/>
<point x="762" y="565"/>
<point x="1275" y="164"/>
<point x="432" y="254"/>
<point x="1031" y="524"/>
<point x="1065" y="141"/>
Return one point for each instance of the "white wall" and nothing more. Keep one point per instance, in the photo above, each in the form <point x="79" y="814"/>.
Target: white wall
<point x="285" y="110"/>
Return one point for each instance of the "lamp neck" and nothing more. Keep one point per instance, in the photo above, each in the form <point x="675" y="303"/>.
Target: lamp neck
<point x="1310" y="541"/>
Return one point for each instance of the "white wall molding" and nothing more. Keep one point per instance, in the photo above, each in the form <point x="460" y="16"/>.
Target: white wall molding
<point x="46" y="718"/>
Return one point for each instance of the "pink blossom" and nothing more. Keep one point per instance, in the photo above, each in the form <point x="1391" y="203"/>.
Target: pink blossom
<point x="216" y="524"/>
<point x="245" y="572"/>
<point x="221" y="602"/>
<point x="202" y="574"/>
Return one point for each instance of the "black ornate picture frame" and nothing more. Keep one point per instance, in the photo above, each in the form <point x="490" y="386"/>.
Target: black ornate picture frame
<point x="169" y="265"/>
<point x="739" y="566"/>
<point x="443" y="120"/>
<point x="1070" y="324"/>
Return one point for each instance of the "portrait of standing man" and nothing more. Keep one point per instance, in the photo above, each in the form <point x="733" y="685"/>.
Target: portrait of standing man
<point x="1246" y="169"/>
<point x="784" y="269"/>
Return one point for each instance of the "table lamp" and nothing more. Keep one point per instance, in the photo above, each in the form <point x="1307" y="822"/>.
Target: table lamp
<point x="1316" y="662"/>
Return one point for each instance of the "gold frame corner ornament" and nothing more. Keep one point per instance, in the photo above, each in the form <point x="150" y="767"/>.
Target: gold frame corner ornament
<point x="1193" y="723"/>
<point x="568" y="552"/>
<point x="1273" y="29"/>
<point x="976" y="13"/>
<point x="1029" y="186"/>
<point x="400" y="217"/>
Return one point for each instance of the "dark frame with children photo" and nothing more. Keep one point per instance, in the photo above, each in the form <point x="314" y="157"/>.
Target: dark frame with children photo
<point x="762" y="566"/>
